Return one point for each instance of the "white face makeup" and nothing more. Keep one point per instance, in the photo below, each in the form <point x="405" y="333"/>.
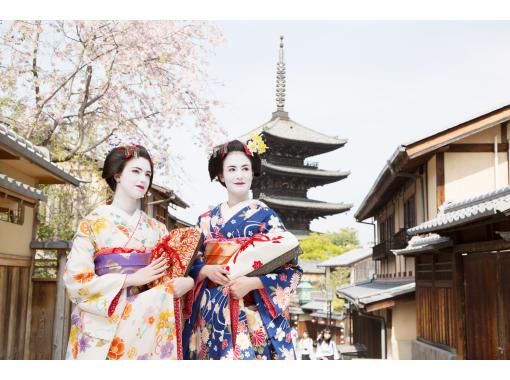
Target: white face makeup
<point x="135" y="178"/>
<point x="237" y="173"/>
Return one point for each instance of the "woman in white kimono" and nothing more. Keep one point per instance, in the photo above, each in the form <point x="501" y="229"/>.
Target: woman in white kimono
<point x="116" y="316"/>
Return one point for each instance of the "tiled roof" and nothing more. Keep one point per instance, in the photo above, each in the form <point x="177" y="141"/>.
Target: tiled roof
<point x="21" y="188"/>
<point x="33" y="154"/>
<point x="374" y="291"/>
<point x="421" y="243"/>
<point x="497" y="116"/>
<point x="291" y="130"/>
<point x="348" y="258"/>
<point x="170" y="193"/>
<point x="305" y="203"/>
<point x="468" y="210"/>
<point x="323" y="314"/>
<point x="311" y="267"/>
<point x="306" y="171"/>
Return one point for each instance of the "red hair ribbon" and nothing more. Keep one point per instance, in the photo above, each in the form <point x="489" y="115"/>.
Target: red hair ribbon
<point x="247" y="151"/>
<point x="130" y="150"/>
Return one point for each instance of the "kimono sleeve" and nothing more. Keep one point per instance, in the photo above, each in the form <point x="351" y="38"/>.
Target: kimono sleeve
<point x="199" y="262"/>
<point x="280" y="285"/>
<point x="90" y="292"/>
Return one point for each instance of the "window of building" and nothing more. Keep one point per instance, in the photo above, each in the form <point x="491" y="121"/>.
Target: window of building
<point x="410" y="212"/>
<point x="11" y="209"/>
<point x="161" y="213"/>
<point x="387" y="228"/>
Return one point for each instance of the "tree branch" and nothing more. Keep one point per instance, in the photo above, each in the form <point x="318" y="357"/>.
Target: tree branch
<point x="95" y="99"/>
<point x="81" y="115"/>
<point x="96" y="144"/>
<point x="35" y="72"/>
<point x="52" y="95"/>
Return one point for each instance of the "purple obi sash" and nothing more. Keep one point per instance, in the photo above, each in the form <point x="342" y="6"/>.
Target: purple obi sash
<point x="124" y="263"/>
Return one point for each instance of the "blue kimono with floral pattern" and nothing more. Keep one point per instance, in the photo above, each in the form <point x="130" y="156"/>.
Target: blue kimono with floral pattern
<point x="263" y="330"/>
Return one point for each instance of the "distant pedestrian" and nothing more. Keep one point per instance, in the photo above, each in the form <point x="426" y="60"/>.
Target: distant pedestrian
<point x="326" y="347"/>
<point x="305" y="347"/>
<point x="294" y="336"/>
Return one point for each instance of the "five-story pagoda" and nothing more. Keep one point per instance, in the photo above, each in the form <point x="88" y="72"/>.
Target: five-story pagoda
<point x="286" y="175"/>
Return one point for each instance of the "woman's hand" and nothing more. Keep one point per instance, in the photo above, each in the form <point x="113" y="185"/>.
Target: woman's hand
<point x="215" y="273"/>
<point x="181" y="285"/>
<point x="150" y="273"/>
<point x="243" y="285"/>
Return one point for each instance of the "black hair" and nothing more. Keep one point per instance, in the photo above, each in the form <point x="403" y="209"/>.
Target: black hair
<point x="116" y="161"/>
<point x="220" y="153"/>
<point x="327" y="331"/>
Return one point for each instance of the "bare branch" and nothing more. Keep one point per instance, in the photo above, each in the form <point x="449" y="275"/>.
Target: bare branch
<point x="95" y="99"/>
<point x="85" y="101"/>
<point x="96" y="144"/>
<point x="34" y="66"/>
<point x="62" y="85"/>
<point x="81" y="115"/>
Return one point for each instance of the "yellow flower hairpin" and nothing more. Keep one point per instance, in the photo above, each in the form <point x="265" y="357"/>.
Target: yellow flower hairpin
<point x="256" y="145"/>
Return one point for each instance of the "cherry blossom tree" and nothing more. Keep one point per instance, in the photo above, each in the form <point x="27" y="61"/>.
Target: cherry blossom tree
<point x="74" y="86"/>
<point x="71" y="85"/>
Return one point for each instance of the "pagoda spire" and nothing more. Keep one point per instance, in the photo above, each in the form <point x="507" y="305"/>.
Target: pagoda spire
<point x="280" y="85"/>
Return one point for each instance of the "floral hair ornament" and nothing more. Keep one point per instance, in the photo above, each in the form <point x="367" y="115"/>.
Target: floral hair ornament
<point x="256" y="145"/>
<point x="129" y="144"/>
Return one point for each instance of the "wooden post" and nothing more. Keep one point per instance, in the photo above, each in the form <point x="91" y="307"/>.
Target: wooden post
<point x="67" y="324"/>
<point x="440" y="180"/>
<point x="13" y="308"/>
<point x="460" y="316"/>
<point x="28" y="328"/>
<point x="22" y="316"/>
<point x="59" y="316"/>
<point x="3" y="310"/>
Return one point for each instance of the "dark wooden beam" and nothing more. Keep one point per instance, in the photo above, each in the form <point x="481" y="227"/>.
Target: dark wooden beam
<point x="504" y="135"/>
<point x="482" y="246"/>
<point x="440" y="196"/>
<point x="5" y="155"/>
<point x="476" y="148"/>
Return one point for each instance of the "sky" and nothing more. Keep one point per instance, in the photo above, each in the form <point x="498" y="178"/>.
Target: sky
<point x="376" y="83"/>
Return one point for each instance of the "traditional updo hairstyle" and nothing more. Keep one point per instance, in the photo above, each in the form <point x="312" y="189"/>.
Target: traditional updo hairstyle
<point x="220" y="153"/>
<point x="116" y="161"/>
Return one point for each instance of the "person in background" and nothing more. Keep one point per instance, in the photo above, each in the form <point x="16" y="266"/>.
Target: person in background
<point x="326" y="347"/>
<point x="294" y="336"/>
<point x="305" y="347"/>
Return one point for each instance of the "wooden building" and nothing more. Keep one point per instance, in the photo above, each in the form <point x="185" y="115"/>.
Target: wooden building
<point x="23" y="167"/>
<point x="287" y="175"/>
<point x="361" y="266"/>
<point x="160" y="200"/>
<point x="412" y="191"/>
<point x="463" y="279"/>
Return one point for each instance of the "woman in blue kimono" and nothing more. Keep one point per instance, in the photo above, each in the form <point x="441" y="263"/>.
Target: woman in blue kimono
<point x="259" y="329"/>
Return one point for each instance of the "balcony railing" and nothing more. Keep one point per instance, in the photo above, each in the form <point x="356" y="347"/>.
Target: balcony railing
<point x="383" y="249"/>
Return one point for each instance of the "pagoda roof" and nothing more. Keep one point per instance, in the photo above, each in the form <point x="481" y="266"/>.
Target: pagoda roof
<point x="288" y="129"/>
<point x="306" y="171"/>
<point x="305" y="204"/>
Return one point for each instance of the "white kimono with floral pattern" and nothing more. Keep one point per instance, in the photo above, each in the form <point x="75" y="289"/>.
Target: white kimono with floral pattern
<point x="109" y="321"/>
